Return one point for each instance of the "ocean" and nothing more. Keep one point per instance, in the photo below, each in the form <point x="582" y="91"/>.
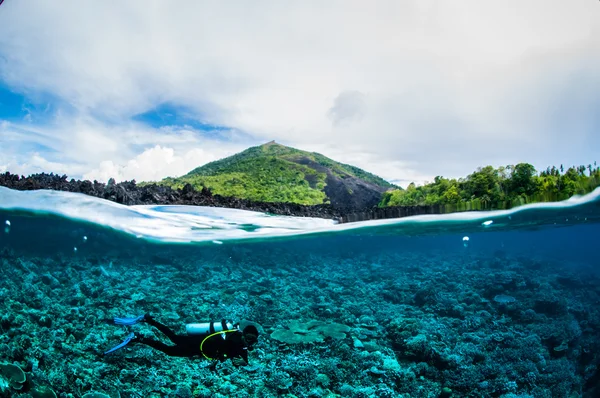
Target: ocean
<point x="475" y="304"/>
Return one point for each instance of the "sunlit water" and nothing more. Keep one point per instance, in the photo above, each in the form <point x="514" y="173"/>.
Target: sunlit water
<point x="422" y="296"/>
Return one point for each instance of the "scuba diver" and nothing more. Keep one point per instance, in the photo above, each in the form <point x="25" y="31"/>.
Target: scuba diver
<point x="219" y="341"/>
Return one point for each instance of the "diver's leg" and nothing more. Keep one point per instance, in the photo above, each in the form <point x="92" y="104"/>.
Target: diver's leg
<point x="164" y="329"/>
<point x="174" y="351"/>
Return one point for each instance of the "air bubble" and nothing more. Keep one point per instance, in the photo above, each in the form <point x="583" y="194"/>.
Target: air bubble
<point x="84" y="239"/>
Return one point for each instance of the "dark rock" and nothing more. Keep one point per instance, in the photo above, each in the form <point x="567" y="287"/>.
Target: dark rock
<point x="346" y="193"/>
<point x="129" y="193"/>
<point x="378" y="213"/>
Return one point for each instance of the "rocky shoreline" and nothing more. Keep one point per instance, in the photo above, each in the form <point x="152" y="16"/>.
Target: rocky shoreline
<point x="130" y="193"/>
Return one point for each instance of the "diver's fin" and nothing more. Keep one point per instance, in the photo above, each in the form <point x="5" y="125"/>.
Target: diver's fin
<point x="127" y="340"/>
<point x="128" y="321"/>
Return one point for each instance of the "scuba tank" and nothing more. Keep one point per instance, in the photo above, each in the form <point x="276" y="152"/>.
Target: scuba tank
<point x="209" y="327"/>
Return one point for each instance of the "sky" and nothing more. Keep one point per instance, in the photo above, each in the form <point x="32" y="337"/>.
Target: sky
<point x="407" y="90"/>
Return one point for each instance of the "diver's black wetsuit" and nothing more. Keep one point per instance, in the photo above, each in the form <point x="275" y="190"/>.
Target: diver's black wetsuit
<point x="215" y="347"/>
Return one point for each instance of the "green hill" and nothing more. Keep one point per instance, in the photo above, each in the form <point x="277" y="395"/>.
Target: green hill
<point x="277" y="173"/>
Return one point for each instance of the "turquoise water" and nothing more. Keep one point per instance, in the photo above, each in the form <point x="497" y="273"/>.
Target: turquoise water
<point x="419" y="309"/>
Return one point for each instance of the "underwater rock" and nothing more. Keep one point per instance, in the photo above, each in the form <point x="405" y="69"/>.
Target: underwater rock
<point x="183" y="392"/>
<point x="370" y="346"/>
<point x="310" y="332"/>
<point x="358" y="343"/>
<point x="13" y="374"/>
<point x="377" y="372"/>
<point x="504" y="299"/>
<point x="550" y="305"/>
<point x="280" y="381"/>
<point x="42" y="392"/>
<point x="560" y="350"/>
<point x="323" y="380"/>
<point x="95" y="395"/>
<point x="426" y="296"/>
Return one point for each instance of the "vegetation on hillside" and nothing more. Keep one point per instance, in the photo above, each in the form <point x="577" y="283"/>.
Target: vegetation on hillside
<point x="261" y="179"/>
<point x="272" y="173"/>
<point x="499" y="188"/>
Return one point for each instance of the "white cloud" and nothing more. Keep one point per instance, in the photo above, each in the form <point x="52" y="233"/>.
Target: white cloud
<point x="446" y="86"/>
<point x="94" y="151"/>
<point x="389" y="170"/>
<point x="348" y="106"/>
<point x="35" y="163"/>
<point x="153" y="164"/>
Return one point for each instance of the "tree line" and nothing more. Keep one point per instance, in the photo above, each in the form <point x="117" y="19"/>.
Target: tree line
<point x="490" y="188"/>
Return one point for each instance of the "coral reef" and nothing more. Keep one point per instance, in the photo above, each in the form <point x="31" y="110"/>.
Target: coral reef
<point x="346" y="322"/>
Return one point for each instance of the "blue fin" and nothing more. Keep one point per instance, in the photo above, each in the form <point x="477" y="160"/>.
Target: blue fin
<point x="128" y="321"/>
<point x="130" y="337"/>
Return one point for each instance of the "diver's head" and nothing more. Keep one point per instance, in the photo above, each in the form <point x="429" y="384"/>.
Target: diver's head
<point x="250" y="335"/>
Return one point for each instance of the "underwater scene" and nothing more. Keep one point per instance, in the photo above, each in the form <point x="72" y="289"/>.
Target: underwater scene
<point x="475" y="304"/>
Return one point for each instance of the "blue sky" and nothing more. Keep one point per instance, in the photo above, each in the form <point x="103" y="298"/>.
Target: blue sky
<point x="406" y="90"/>
<point x="173" y="115"/>
<point x="23" y="107"/>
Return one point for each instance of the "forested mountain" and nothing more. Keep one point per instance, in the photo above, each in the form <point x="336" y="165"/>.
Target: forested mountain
<point x="276" y="173"/>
